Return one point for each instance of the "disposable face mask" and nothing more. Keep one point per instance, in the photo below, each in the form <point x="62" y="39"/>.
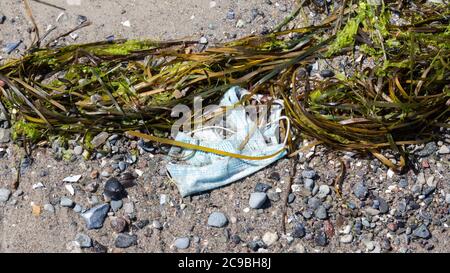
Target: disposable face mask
<point x="199" y="171"/>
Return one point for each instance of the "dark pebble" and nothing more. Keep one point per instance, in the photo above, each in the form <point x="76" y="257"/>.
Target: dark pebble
<point x="118" y="224"/>
<point x="261" y="187"/>
<point x="99" y="248"/>
<point x="422" y="232"/>
<point x="321" y="239"/>
<point x="125" y="240"/>
<point x="114" y="189"/>
<point x="299" y="231"/>
<point x="141" y="224"/>
<point x="2" y="18"/>
<point x="231" y="15"/>
<point x="326" y="73"/>
<point x="360" y="190"/>
<point x="275" y="176"/>
<point x="235" y="239"/>
<point x="81" y="19"/>
<point x="428" y="190"/>
<point x="255" y="245"/>
<point x="383" y="206"/>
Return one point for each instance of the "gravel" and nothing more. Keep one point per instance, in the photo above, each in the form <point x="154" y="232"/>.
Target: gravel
<point x="261" y="187"/>
<point x="321" y="213"/>
<point x="257" y="200"/>
<point x="346" y="239"/>
<point x="311" y="174"/>
<point x="270" y="238"/>
<point x="114" y="189"/>
<point x="430" y="148"/>
<point x="217" y="219"/>
<point x="324" y="190"/>
<point x="116" y="205"/>
<point x="182" y="243"/>
<point x="360" y="191"/>
<point x="309" y="184"/>
<point x="4" y="194"/>
<point x="84" y="240"/>
<point x="95" y="216"/>
<point x="49" y="207"/>
<point x="66" y="202"/>
<point x="299" y="231"/>
<point x="125" y="240"/>
<point x="422" y="232"/>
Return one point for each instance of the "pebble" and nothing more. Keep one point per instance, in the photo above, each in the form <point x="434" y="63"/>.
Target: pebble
<point x="311" y="174"/>
<point x="96" y="216"/>
<point x="84" y="240"/>
<point x="240" y="23"/>
<point x="2" y="18"/>
<point x="270" y="238"/>
<point x="66" y="202"/>
<point x="182" y="243"/>
<point x="99" y="139"/>
<point x="321" y="213"/>
<point x="372" y="212"/>
<point x="321" y="239"/>
<point x="314" y="203"/>
<point x="346" y="230"/>
<point x="78" y="150"/>
<point x="307" y="214"/>
<point x="447" y="198"/>
<point x="360" y="190"/>
<point x="422" y="232"/>
<point x="81" y="18"/>
<point x="118" y="224"/>
<point x="37" y="186"/>
<point x="203" y="40"/>
<point x="128" y="208"/>
<point x="291" y="198"/>
<point x="116" y="205"/>
<point x="256" y="245"/>
<point x="217" y="219"/>
<point x="346" y="239"/>
<point x="125" y="240"/>
<point x="274" y="196"/>
<point x="299" y="231"/>
<point x="235" y="239"/>
<point x="309" y="184"/>
<point x="4" y="194"/>
<point x="444" y="150"/>
<point x="114" y="189"/>
<point x="122" y="166"/>
<point x="70" y="189"/>
<point x="261" y="187"/>
<point x="72" y="178"/>
<point x="326" y="73"/>
<point x="324" y="190"/>
<point x="421" y="178"/>
<point x="383" y="206"/>
<point x="5" y="135"/>
<point x="49" y="208"/>
<point x="403" y="183"/>
<point x="77" y="208"/>
<point x="231" y="15"/>
<point x="156" y="225"/>
<point x="429" y="149"/>
<point x="257" y="200"/>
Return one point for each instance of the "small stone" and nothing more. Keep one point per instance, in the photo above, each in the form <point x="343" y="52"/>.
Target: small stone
<point x="66" y="202"/>
<point x="447" y="198"/>
<point x="212" y="4"/>
<point x="118" y="224"/>
<point x="99" y="248"/>
<point x="203" y="40"/>
<point x="321" y="213"/>
<point x="311" y="174"/>
<point x="372" y="212"/>
<point x="84" y="240"/>
<point x="346" y="239"/>
<point x="122" y="166"/>
<point x="125" y="240"/>
<point x="256" y="245"/>
<point x="307" y="214"/>
<point x="141" y="224"/>
<point x="72" y="178"/>
<point x="403" y="183"/>
<point x="81" y="18"/>
<point x="261" y="187"/>
<point x="2" y="19"/>
<point x="156" y="225"/>
<point x="326" y="73"/>
<point x="162" y="199"/>
<point x="421" y="178"/>
<point x="422" y="232"/>
<point x="37" y="186"/>
<point x="96" y="216"/>
<point x="360" y="190"/>
<point x="429" y="149"/>
<point x="49" y="208"/>
<point x="114" y="189"/>
<point x="4" y="194"/>
<point x="324" y="190"/>
<point x="235" y="239"/>
<point x="314" y="203"/>
<point x="346" y="230"/>
<point x="299" y="231"/>
<point x="291" y="198"/>
<point x="269" y="238"/>
<point x="77" y="208"/>
<point x="257" y="200"/>
<point x="309" y="184"/>
<point x="240" y="23"/>
<point x="217" y="219"/>
<point x="99" y="139"/>
<point x="273" y="196"/>
<point x="182" y="243"/>
<point x="70" y="189"/>
<point x="78" y="150"/>
<point x="126" y="23"/>
<point x="116" y="205"/>
<point x="231" y="15"/>
<point x="383" y="206"/>
<point x="321" y="239"/>
<point x="282" y="8"/>
<point x="444" y="150"/>
<point x="5" y="135"/>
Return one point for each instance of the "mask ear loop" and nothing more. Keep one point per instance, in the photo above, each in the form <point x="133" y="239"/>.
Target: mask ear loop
<point x="288" y="130"/>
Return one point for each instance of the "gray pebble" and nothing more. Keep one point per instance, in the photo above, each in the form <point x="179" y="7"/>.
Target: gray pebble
<point x="314" y="203"/>
<point x="217" y="219"/>
<point x="78" y="150"/>
<point x="311" y="174"/>
<point x="125" y="240"/>
<point x="182" y="243"/>
<point x="261" y="187"/>
<point x="96" y="216"/>
<point x="444" y="150"/>
<point x="49" y="208"/>
<point x="231" y="15"/>
<point x="383" y="205"/>
<point x="324" y="190"/>
<point x="422" y="232"/>
<point x="122" y="166"/>
<point x="321" y="213"/>
<point x="429" y="149"/>
<point x="307" y="214"/>
<point x="346" y="239"/>
<point x="77" y="208"/>
<point x="84" y="240"/>
<point x="156" y="225"/>
<point x="128" y="208"/>
<point x="116" y="205"/>
<point x="309" y="184"/>
<point x="360" y="190"/>
<point x="4" y="194"/>
<point x="447" y="198"/>
<point x="291" y="198"/>
<point x="257" y="200"/>
<point x="66" y="202"/>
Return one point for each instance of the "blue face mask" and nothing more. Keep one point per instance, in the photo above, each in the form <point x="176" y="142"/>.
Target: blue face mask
<point x="199" y="171"/>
